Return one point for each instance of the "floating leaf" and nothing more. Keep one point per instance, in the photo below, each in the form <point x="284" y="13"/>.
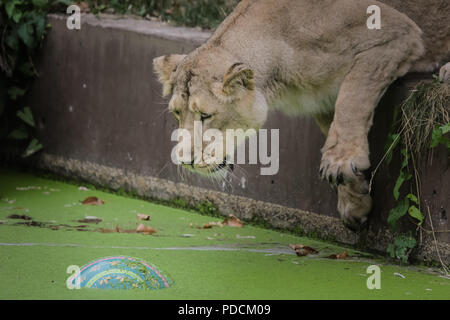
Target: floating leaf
<point x="340" y="256"/>
<point x="142" y="216"/>
<point x="208" y="225"/>
<point x="90" y="219"/>
<point x="92" y="201"/>
<point x="232" y="221"/>
<point x="145" y="229"/>
<point x="302" y="250"/>
<point x="19" y="216"/>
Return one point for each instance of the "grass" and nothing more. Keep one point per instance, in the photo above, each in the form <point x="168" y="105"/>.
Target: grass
<point x="426" y="107"/>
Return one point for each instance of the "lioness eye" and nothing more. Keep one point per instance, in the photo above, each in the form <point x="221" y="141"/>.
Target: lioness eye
<point x="204" y="116"/>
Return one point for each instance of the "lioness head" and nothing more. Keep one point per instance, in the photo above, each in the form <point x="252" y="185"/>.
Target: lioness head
<point x="216" y="93"/>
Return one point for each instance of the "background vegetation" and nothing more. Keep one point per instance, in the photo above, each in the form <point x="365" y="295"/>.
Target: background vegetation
<point x="193" y="13"/>
<point x="22" y="30"/>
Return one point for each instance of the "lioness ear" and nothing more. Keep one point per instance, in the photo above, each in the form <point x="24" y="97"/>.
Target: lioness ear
<point x="238" y="75"/>
<point x="164" y="66"/>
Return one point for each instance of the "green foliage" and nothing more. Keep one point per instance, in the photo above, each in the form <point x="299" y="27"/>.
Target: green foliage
<point x="401" y="248"/>
<point x="438" y="136"/>
<point x="193" y="13"/>
<point x="23" y="27"/>
<point x="423" y="125"/>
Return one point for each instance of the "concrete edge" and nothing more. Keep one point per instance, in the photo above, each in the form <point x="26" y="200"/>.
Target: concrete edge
<point x="142" y="26"/>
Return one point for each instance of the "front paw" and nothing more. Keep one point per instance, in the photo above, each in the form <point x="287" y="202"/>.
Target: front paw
<point x="444" y="73"/>
<point x="353" y="206"/>
<point x="345" y="163"/>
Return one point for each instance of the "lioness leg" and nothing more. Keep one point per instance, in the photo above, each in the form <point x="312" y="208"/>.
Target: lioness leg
<point x="345" y="155"/>
<point x="444" y="73"/>
<point x="352" y="203"/>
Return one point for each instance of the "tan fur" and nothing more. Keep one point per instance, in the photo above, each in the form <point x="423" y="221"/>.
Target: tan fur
<point x="315" y="57"/>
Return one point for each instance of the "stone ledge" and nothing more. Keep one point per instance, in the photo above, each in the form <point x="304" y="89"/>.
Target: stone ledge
<point x="142" y="26"/>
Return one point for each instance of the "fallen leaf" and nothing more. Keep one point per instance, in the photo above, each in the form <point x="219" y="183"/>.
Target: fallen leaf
<point x="208" y="225"/>
<point x="145" y="229"/>
<point x="91" y="219"/>
<point x="19" y="216"/>
<point x="120" y="230"/>
<point x="302" y="250"/>
<point x="340" y="256"/>
<point x="142" y="216"/>
<point x="103" y="230"/>
<point x="232" y="221"/>
<point x="92" y="201"/>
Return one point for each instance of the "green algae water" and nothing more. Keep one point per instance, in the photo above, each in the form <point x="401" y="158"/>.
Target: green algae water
<point x="44" y="229"/>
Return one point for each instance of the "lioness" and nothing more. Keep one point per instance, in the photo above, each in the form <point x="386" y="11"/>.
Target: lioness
<point x="311" y="57"/>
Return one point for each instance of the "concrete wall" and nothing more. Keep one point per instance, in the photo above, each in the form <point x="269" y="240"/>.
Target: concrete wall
<point x="102" y="118"/>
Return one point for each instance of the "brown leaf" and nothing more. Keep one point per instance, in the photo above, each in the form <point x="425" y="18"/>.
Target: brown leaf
<point x="142" y="216"/>
<point x="340" y="256"/>
<point x="103" y="230"/>
<point x="145" y="229"/>
<point x="208" y="225"/>
<point x="90" y="220"/>
<point x="302" y="250"/>
<point x="92" y="201"/>
<point x="19" y="216"/>
<point x="233" y="221"/>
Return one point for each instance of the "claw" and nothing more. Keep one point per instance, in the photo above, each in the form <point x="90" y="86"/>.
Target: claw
<point x="340" y="179"/>
<point x="354" y="169"/>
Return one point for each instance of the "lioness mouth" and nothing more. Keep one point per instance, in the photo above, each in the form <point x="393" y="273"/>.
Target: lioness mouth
<point x="213" y="169"/>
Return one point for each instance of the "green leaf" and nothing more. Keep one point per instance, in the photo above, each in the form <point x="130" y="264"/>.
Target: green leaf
<point x="10" y="6"/>
<point x="40" y="3"/>
<point x="445" y="128"/>
<point x="12" y="40"/>
<point x="17" y="15"/>
<point x="391" y="250"/>
<point x="415" y="213"/>
<point x="403" y="176"/>
<point x="65" y="2"/>
<point x="15" y="92"/>
<point x="19" y="134"/>
<point x="26" y="116"/>
<point x="436" y="136"/>
<point x="25" y="32"/>
<point x="33" y="147"/>
<point x="405" y="241"/>
<point x="413" y="198"/>
<point x="401" y="247"/>
<point x="399" y="211"/>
